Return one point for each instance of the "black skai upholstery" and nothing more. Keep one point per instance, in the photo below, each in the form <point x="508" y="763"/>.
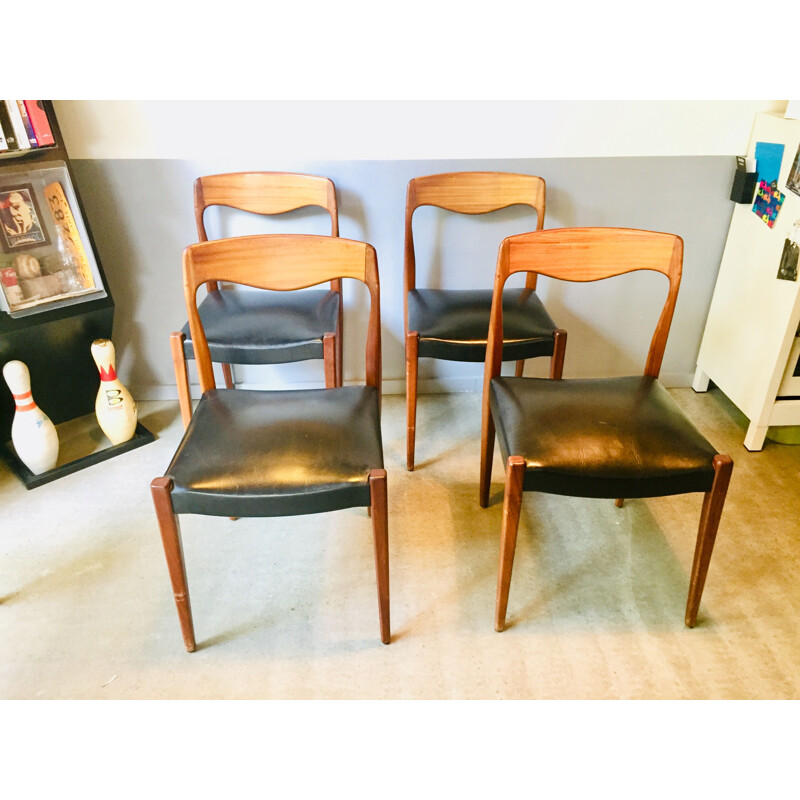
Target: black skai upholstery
<point x="612" y="437"/>
<point x="262" y="327"/>
<point x="453" y="324"/>
<point x="278" y="453"/>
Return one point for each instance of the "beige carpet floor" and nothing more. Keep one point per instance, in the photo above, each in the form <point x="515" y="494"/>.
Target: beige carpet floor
<point x="287" y="609"/>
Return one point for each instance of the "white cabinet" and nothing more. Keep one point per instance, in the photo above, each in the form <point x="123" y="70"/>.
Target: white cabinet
<point x="750" y="346"/>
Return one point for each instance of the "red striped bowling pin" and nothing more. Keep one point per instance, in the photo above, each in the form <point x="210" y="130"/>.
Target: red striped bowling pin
<point x="116" y="411"/>
<point x="33" y="434"/>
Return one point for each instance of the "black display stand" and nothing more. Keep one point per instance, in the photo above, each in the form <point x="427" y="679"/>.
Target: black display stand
<point x="56" y="344"/>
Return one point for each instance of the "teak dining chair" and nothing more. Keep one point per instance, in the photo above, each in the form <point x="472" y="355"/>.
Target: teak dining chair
<point x="606" y="437"/>
<point x="255" y="453"/>
<point x="453" y="324"/>
<point x="262" y="327"/>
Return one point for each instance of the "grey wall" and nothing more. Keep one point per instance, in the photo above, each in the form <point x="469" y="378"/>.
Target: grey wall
<point x="140" y="213"/>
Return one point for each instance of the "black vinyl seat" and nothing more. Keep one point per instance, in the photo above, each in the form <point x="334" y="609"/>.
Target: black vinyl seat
<point x="453" y="324"/>
<point x="612" y="437"/>
<point x="278" y="453"/>
<point x="250" y="453"/>
<point x="258" y="327"/>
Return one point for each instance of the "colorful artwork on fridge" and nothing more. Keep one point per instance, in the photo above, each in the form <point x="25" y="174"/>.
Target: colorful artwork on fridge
<point x="768" y="200"/>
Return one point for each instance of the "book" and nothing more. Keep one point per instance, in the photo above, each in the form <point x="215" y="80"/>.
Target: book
<point x="8" y="130"/>
<point x="3" y="142"/>
<point x="27" y="123"/>
<point x="41" y="125"/>
<point x="17" y="124"/>
<point x="68" y="232"/>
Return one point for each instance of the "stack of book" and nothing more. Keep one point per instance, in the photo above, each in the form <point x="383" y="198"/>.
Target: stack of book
<point x="24" y="125"/>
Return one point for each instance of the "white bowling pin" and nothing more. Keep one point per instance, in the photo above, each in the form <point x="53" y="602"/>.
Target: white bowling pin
<point x="32" y="433"/>
<point x="116" y="411"/>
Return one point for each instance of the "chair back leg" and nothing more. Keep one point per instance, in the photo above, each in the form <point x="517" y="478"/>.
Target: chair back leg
<point x="329" y="358"/>
<point x="176" y="341"/>
<point x="713" y="501"/>
<point x="557" y="359"/>
<point x="380" y="532"/>
<point x="171" y="539"/>
<point x="339" y="350"/>
<point x="227" y="374"/>
<point x="512" y="503"/>
<point x="412" y="360"/>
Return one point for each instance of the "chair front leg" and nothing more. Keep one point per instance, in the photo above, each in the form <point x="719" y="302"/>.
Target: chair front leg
<point x="713" y="501"/>
<point x="176" y="345"/>
<point x="487" y="457"/>
<point x="412" y="362"/>
<point x="329" y="357"/>
<point x="512" y="502"/>
<point x="380" y="533"/>
<point x="171" y="539"/>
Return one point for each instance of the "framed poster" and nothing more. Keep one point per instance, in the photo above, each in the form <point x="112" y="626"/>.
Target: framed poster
<point x="20" y="219"/>
<point x="46" y="260"/>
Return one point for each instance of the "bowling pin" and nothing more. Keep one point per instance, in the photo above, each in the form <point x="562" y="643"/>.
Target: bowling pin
<point x="116" y="411"/>
<point x="32" y="433"/>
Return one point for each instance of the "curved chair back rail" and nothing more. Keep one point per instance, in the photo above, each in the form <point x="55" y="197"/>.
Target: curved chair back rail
<point x="469" y="193"/>
<point x="264" y="193"/>
<point x="587" y="254"/>
<point x="280" y="262"/>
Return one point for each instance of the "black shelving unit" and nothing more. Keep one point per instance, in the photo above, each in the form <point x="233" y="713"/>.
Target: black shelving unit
<point x="55" y="343"/>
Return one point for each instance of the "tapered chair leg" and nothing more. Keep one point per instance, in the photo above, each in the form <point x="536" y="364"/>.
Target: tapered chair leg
<point x="520" y="368"/>
<point x="171" y="539"/>
<point x="559" y="350"/>
<point x="619" y="502"/>
<point x="713" y="502"/>
<point x="512" y="502"/>
<point x="412" y="361"/>
<point x="227" y="374"/>
<point x="329" y="357"/>
<point x="380" y="532"/>
<point x="487" y="457"/>
<point x="339" y="350"/>
<point x="176" y="341"/>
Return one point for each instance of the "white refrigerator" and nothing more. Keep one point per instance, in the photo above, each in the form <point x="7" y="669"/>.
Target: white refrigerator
<point x="750" y="347"/>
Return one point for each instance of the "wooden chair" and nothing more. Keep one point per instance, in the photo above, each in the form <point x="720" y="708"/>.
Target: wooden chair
<point x="452" y="324"/>
<point x="606" y="437"/>
<point x="277" y="453"/>
<point x="262" y="327"/>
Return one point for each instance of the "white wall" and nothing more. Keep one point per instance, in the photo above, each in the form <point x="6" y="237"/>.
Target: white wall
<point x="354" y="130"/>
<point x="656" y="165"/>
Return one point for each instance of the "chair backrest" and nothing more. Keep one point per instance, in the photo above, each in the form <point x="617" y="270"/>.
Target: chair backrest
<point x="587" y="254"/>
<point x="280" y="262"/>
<point x="469" y="193"/>
<point x="264" y="193"/>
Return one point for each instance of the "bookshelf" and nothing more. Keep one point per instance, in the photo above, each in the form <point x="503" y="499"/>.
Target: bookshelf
<point x="57" y="308"/>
